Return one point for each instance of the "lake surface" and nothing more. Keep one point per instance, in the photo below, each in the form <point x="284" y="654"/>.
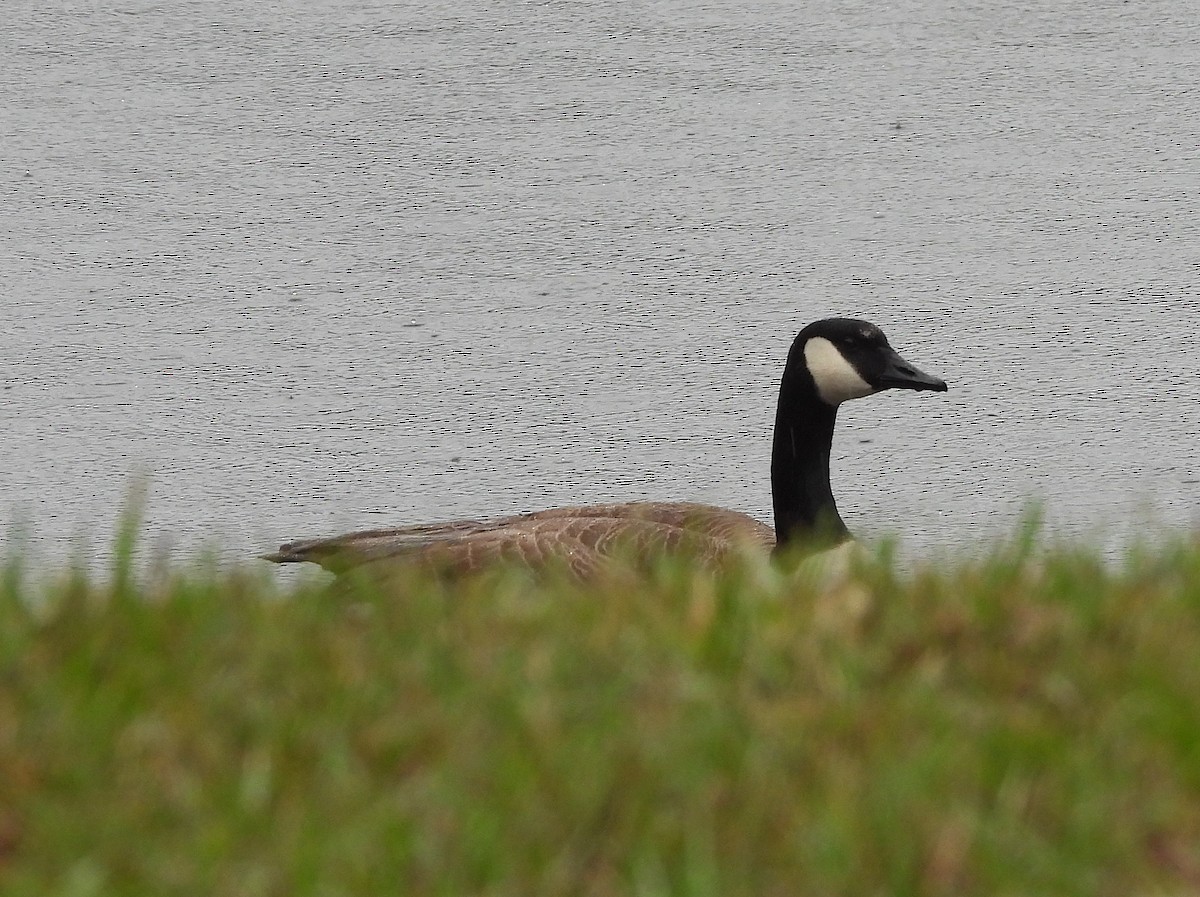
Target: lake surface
<point x="317" y="266"/>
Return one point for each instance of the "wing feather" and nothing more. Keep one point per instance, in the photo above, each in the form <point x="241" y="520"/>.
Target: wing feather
<point x="584" y="537"/>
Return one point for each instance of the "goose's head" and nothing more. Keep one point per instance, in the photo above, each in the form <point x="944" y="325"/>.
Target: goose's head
<point x="849" y="359"/>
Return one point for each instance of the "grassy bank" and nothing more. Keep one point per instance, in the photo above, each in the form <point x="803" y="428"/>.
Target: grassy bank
<point x="995" y="728"/>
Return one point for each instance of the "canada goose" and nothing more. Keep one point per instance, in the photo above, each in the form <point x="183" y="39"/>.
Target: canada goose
<point x="830" y="361"/>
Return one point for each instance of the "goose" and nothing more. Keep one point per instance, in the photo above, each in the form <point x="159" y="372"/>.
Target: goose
<point x="830" y="361"/>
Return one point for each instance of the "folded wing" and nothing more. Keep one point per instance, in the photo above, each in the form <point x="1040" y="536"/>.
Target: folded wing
<point x="583" y="538"/>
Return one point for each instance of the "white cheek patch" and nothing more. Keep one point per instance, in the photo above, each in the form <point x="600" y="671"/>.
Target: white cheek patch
<point x="835" y="377"/>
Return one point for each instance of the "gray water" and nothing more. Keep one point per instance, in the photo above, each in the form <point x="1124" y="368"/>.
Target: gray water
<point x="314" y="266"/>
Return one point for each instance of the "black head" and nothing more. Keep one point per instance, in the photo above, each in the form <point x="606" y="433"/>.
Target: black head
<point x="849" y="359"/>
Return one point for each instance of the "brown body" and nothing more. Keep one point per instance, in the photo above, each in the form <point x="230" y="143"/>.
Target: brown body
<point x="581" y="538"/>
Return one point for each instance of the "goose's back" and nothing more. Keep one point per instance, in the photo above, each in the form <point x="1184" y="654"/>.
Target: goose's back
<point x="582" y="538"/>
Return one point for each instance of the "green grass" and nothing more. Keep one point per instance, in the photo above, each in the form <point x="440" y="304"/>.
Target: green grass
<point x="998" y="727"/>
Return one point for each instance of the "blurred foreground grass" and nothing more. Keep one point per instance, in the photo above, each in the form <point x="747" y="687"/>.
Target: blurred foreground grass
<point x="995" y="727"/>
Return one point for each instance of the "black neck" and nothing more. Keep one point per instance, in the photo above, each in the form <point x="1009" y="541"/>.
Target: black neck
<point x="805" y="512"/>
